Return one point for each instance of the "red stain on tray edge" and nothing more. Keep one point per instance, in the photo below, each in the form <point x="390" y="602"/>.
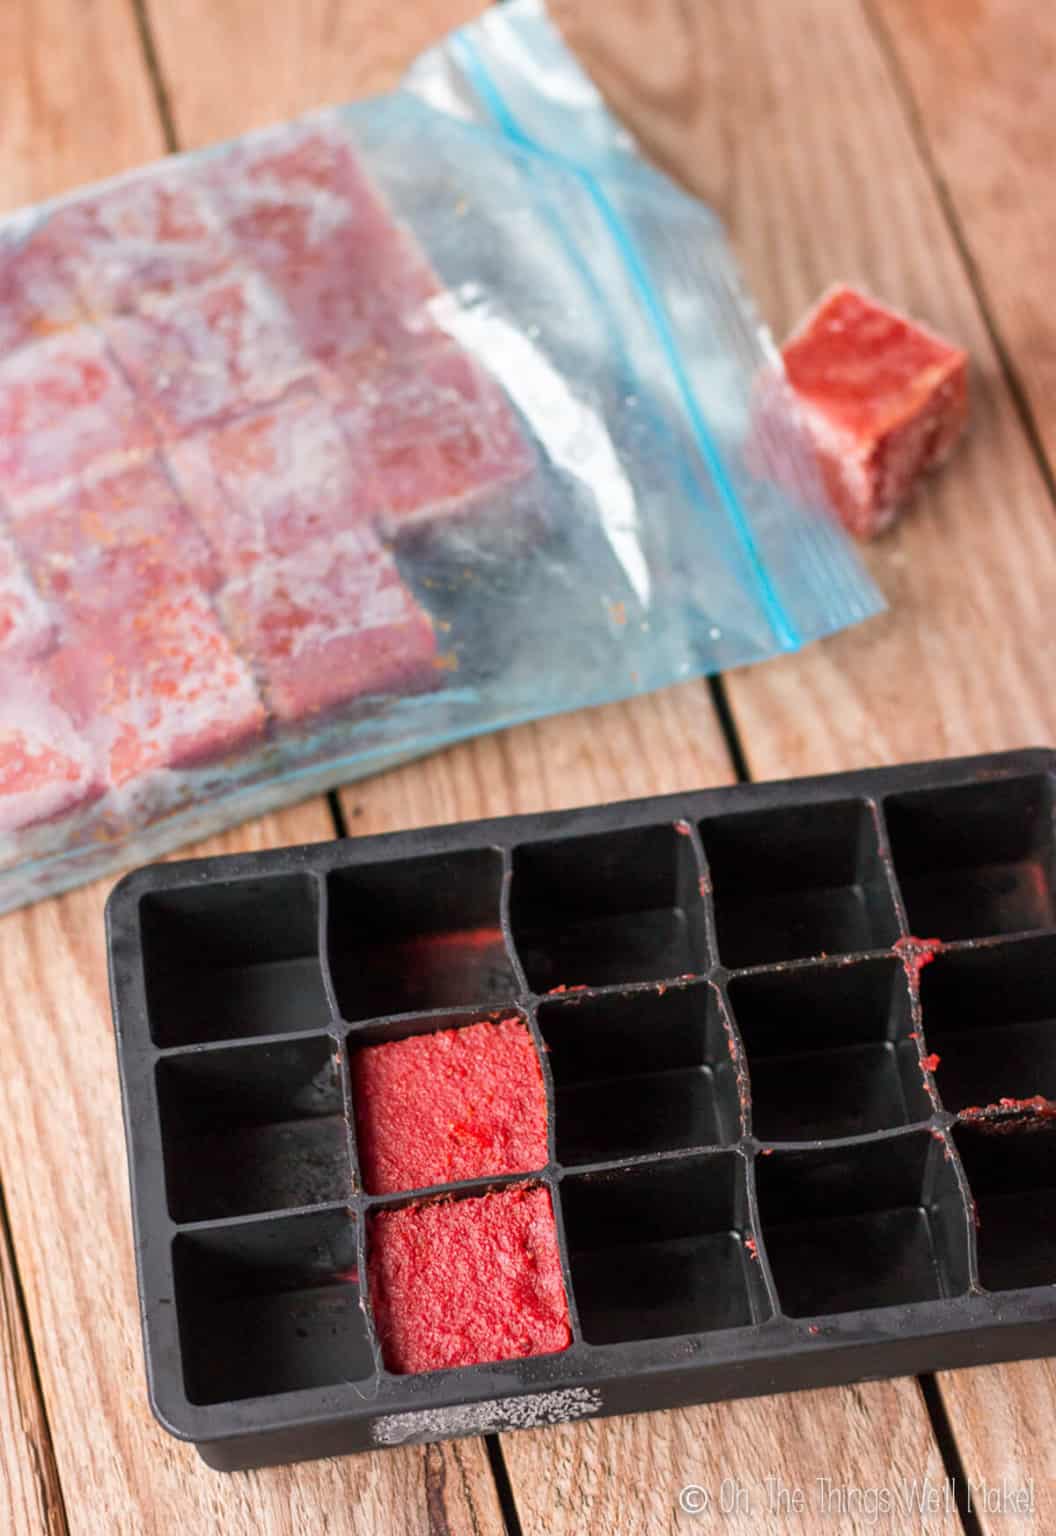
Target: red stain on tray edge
<point x="915" y="954"/>
<point x="1007" y="1115"/>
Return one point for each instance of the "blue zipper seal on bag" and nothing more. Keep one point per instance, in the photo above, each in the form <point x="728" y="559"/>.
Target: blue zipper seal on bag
<point x="477" y="71"/>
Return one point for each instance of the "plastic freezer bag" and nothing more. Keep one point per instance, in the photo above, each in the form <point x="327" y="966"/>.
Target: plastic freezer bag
<point x="349" y="439"/>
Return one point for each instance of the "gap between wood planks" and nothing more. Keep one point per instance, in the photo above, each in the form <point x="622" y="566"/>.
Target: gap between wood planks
<point x="25" y="1386"/>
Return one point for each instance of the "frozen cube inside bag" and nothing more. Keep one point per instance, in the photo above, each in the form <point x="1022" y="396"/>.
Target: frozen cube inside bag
<point x="26" y="626"/>
<point x="431" y="434"/>
<point x="145" y="236"/>
<point x="209" y="353"/>
<point x="155" y="683"/>
<point x="47" y="767"/>
<point x="270" y="482"/>
<point x="462" y="1282"/>
<point x="883" y="399"/>
<point x="63" y="406"/>
<point x="37" y="292"/>
<point x="455" y="1104"/>
<point x="331" y="624"/>
<point x="305" y="212"/>
<point x="72" y="539"/>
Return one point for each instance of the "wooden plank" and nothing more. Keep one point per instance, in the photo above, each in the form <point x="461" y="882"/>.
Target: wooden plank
<point x="290" y="56"/>
<point x="836" y="1451"/>
<point x="654" y="745"/>
<point x="43" y="96"/>
<point x="79" y="105"/>
<point x="30" y="1495"/>
<point x="796" y="132"/>
<point x="979" y="76"/>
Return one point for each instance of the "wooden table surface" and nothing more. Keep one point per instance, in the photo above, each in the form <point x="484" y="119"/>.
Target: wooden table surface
<point x="902" y="143"/>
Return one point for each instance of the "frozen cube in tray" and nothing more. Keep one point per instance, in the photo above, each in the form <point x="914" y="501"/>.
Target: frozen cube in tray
<point x="460" y="1282"/>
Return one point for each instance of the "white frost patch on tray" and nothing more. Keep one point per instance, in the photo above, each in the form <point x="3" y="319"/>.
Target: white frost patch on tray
<point x="495" y="1415"/>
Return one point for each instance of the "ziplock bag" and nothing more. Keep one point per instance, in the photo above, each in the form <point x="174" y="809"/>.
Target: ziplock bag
<point x="346" y="440"/>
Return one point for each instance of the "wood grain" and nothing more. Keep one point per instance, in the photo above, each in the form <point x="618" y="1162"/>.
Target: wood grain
<point x="48" y="63"/>
<point x="625" y="1476"/>
<point x="654" y="745"/>
<point x="289" y="55"/>
<point x="979" y="74"/>
<point x="798" y="134"/>
<point x="76" y="104"/>
<point x="30" y="1495"/>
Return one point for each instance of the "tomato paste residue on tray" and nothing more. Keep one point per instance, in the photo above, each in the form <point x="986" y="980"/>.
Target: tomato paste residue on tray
<point x="1008" y="1115"/>
<point x="915" y="954"/>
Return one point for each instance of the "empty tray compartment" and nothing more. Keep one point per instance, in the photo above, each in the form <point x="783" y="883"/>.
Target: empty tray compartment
<point x="976" y="859"/>
<point x="660" y="1250"/>
<point x="236" y="958"/>
<point x="864" y="1224"/>
<point x="829" y="1050"/>
<point x="640" y="1072"/>
<point x="608" y="908"/>
<point x="1012" y="1175"/>
<point x="990" y="1015"/>
<point x="253" y="1128"/>
<point x="270" y="1306"/>
<point x="798" y="883"/>
<point x="413" y="934"/>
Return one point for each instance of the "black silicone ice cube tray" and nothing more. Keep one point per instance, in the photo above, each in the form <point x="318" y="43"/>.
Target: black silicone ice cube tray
<point x="799" y="1049"/>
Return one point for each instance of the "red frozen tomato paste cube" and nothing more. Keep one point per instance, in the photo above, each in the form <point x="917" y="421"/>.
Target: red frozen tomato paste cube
<point x="37" y="293"/>
<point x="271" y="482"/>
<point x="331" y="624"/>
<point x="304" y="211"/>
<point x="210" y="353"/>
<point x="461" y="1282"/>
<point x="47" y="768"/>
<point x="26" y="626"/>
<point x="883" y="399"/>
<point x="63" y="406"/>
<point x="430" y="436"/>
<point x="71" y="539"/>
<point x="146" y="235"/>
<point x="156" y="683"/>
<point x="457" y="1104"/>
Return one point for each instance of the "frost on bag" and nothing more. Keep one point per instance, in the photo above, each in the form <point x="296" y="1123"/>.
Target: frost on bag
<point x="350" y="439"/>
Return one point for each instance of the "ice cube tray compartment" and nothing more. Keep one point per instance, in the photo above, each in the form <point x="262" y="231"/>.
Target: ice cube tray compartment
<point x="254" y="1128"/>
<point x="660" y="1251"/>
<point x="831" y="1050"/>
<point x="778" y="1102"/>
<point x="640" y="1072"/>
<point x="418" y="934"/>
<point x="293" y="1281"/>
<point x="870" y="1224"/>
<point x="236" y="959"/>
